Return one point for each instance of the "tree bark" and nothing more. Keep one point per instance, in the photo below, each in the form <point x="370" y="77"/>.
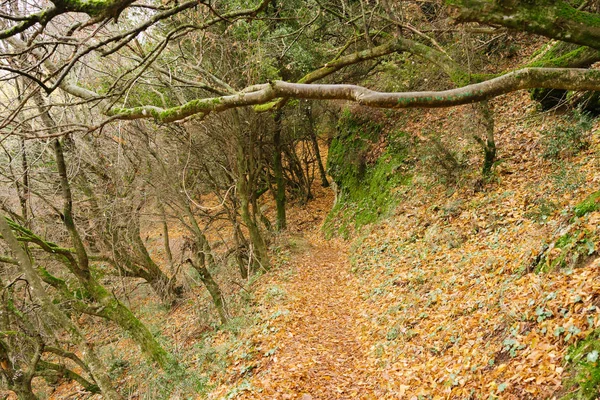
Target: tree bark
<point x="166" y="241"/>
<point x="245" y="192"/>
<point x="278" y="170"/>
<point x="213" y="288"/>
<point x="527" y="78"/>
<point x="113" y="308"/>
<point x="87" y="351"/>
<point x="563" y="55"/>
<point x="550" y="18"/>
<point x="315" y="145"/>
<point x="488" y="144"/>
<point x="158" y="280"/>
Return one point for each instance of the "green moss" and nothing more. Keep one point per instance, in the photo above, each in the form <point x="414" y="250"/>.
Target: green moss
<point x="554" y="59"/>
<point x="91" y="7"/>
<point x="265" y="107"/>
<point x="367" y="187"/>
<point x="51" y="279"/>
<point x="590" y="204"/>
<point x="566" y="12"/>
<point x="561" y="55"/>
<point x="574" y="248"/>
<point x="584" y="365"/>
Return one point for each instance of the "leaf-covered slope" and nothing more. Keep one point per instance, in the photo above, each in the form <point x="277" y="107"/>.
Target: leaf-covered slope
<point x="444" y="301"/>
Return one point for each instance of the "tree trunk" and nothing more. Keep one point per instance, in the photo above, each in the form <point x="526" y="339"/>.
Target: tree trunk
<point x="203" y="256"/>
<point x="113" y="308"/>
<point x="553" y="19"/>
<point x="210" y="284"/>
<point x="24" y="195"/>
<point x="57" y="316"/>
<point x="57" y="371"/>
<point x="166" y="241"/>
<point x="158" y="280"/>
<point x="241" y="252"/>
<point x="122" y="316"/>
<point x="315" y="144"/>
<point x="488" y="145"/>
<point x="564" y="55"/>
<point x="23" y="390"/>
<point x="278" y="170"/>
<point x="245" y="192"/>
<point x="162" y="285"/>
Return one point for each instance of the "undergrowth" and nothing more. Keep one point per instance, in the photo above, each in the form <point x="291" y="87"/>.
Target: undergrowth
<point x="568" y="137"/>
<point x="583" y="359"/>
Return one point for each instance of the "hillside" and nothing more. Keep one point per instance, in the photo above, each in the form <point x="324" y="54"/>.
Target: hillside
<point x="321" y="199"/>
<point x="458" y="289"/>
<point x="442" y="297"/>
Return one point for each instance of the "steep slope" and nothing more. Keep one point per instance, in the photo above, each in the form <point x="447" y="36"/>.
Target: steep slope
<point x="465" y="291"/>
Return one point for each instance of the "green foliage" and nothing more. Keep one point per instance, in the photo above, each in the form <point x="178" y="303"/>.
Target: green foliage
<point x="590" y="204"/>
<point x="442" y="160"/>
<point x="569" y="251"/>
<point x="567" y="177"/>
<point x="567" y="138"/>
<point x="583" y="358"/>
<point x="543" y="209"/>
<point x="367" y="170"/>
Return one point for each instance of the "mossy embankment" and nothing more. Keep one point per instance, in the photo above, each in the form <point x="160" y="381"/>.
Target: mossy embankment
<point x="368" y="162"/>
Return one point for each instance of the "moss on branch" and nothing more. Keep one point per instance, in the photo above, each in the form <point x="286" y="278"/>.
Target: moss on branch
<point x="553" y="19"/>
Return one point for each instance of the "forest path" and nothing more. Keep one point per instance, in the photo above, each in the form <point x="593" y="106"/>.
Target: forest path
<point x="316" y="332"/>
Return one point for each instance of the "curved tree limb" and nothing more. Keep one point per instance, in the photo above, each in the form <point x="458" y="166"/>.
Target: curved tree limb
<point x="528" y="78"/>
<point x="550" y="18"/>
<point x="397" y="45"/>
<point x="42" y="17"/>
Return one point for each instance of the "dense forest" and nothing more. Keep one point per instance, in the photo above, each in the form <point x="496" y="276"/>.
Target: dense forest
<point x="321" y="199"/>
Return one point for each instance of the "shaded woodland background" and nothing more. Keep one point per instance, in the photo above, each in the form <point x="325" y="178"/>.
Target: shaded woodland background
<point x="172" y="180"/>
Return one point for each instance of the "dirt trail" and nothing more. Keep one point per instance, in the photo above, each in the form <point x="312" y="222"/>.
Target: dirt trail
<point x="319" y="352"/>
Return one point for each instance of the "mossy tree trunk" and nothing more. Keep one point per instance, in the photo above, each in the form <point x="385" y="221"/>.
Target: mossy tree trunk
<point x="259" y="247"/>
<point x="278" y="171"/>
<point x="114" y="310"/>
<point x="553" y="19"/>
<point x="164" y="286"/>
<point x="488" y="144"/>
<point x="23" y="389"/>
<point x="246" y="170"/>
<point x="565" y="55"/>
<point x="202" y="257"/>
<point x="199" y="264"/>
<point x="315" y="144"/>
<point x="56" y="315"/>
<point x="16" y="380"/>
<point x="114" y="242"/>
<point x="166" y="241"/>
<point x="203" y="260"/>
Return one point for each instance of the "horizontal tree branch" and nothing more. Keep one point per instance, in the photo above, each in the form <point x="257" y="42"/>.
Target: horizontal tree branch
<point x="527" y="78"/>
<point x="550" y="18"/>
<point x="42" y="17"/>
